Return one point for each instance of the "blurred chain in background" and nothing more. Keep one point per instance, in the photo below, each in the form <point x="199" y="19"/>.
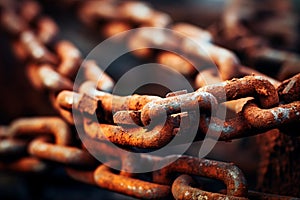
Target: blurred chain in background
<point x="244" y="38"/>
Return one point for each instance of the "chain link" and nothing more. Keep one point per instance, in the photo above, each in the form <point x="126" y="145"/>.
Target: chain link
<point x="30" y="145"/>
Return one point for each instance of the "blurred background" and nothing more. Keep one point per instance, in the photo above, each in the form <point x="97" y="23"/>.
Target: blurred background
<point x="19" y="99"/>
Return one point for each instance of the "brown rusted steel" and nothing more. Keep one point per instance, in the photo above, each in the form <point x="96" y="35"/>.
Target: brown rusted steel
<point x="193" y="32"/>
<point x="289" y="90"/>
<point x="35" y="49"/>
<point x="182" y="189"/>
<point x="27" y="164"/>
<point x="66" y="99"/>
<point x="149" y="17"/>
<point x="90" y="11"/>
<point x="41" y="146"/>
<point x="45" y="77"/>
<point x="70" y="59"/>
<point x="54" y="68"/>
<point x="226" y="61"/>
<point x="114" y="27"/>
<point x="229" y="90"/>
<point x="248" y="86"/>
<point x="258" y="46"/>
<point x="93" y="73"/>
<point x="211" y="76"/>
<point x="112" y="103"/>
<point x="82" y="102"/>
<point x="176" y="62"/>
<point x="227" y="130"/>
<point x="72" y="156"/>
<point x="127" y="118"/>
<point x="141" y="137"/>
<point x="245" y="71"/>
<point x="289" y="61"/>
<point x="230" y="174"/>
<point x="172" y="105"/>
<point x="271" y="118"/>
<point x="41" y="126"/>
<point x="105" y="178"/>
<point x="66" y="114"/>
<point x="207" y="77"/>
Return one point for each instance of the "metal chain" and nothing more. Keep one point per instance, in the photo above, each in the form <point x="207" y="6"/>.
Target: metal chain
<point x="28" y="144"/>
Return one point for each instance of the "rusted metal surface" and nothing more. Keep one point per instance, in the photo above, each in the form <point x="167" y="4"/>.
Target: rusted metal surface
<point x="172" y="105"/>
<point x="273" y="117"/>
<point x="141" y="137"/>
<point x="66" y="155"/>
<point x="182" y="189"/>
<point x="249" y="86"/>
<point x="129" y="186"/>
<point x="289" y="89"/>
<point x="34" y="144"/>
<point x="230" y="174"/>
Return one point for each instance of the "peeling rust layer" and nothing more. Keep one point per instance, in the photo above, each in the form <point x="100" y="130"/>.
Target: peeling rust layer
<point x="211" y="76"/>
<point x="141" y="137"/>
<point x="273" y="117"/>
<point x="171" y="105"/>
<point x="112" y="103"/>
<point x="182" y="189"/>
<point x="105" y="178"/>
<point x="248" y="86"/>
<point x="289" y="90"/>
<point x="230" y="174"/>
<point x="231" y="129"/>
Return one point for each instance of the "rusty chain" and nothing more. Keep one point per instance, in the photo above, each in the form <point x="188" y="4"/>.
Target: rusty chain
<point x="28" y="145"/>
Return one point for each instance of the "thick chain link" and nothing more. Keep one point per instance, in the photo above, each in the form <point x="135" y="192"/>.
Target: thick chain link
<point x="28" y="145"/>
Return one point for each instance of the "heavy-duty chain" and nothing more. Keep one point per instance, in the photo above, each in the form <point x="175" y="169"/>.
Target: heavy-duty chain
<point x="34" y="144"/>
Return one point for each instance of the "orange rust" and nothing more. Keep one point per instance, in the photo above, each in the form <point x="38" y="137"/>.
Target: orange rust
<point x="93" y="72"/>
<point x="72" y="156"/>
<point x="45" y="77"/>
<point x="271" y="118"/>
<point x="41" y="126"/>
<point x="105" y="178"/>
<point x="248" y="86"/>
<point x="141" y="137"/>
<point x="182" y="189"/>
<point x="70" y="59"/>
<point x="174" y="104"/>
<point x="230" y="174"/>
<point x="176" y="62"/>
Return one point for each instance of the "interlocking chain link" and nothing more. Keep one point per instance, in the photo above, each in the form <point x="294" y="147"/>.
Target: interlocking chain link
<point x="28" y="145"/>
